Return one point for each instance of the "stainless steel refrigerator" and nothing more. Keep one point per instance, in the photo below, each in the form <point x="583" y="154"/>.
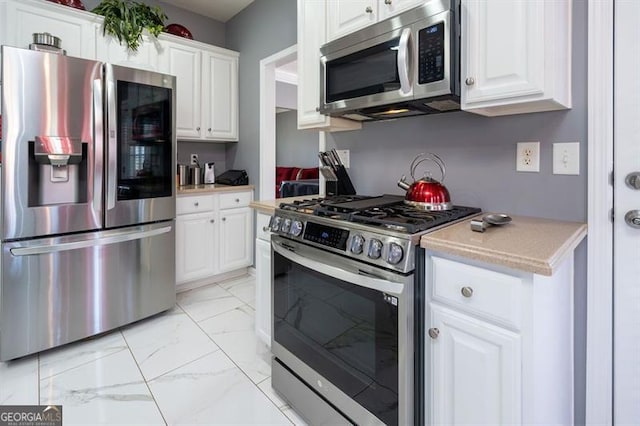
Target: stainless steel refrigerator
<point x="88" y="198"/>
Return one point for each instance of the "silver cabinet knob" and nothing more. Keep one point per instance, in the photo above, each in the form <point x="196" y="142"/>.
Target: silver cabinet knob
<point x="633" y="218"/>
<point x="317" y="109"/>
<point x="237" y="200"/>
<point x="466" y="291"/>
<point x="196" y="204"/>
<point x="266" y="229"/>
<point x="369" y="9"/>
<point x="224" y="219"/>
<point x="387" y="2"/>
<point x="470" y="81"/>
<point x="434" y="333"/>
<point x="633" y="180"/>
<point x="212" y="220"/>
<point x="198" y="128"/>
<point x="209" y="129"/>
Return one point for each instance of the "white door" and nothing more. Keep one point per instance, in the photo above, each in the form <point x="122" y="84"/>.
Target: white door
<point x="389" y="8"/>
<point x="263" y="290"/>
<point x="185" y="63"/>
<point x="220" y="84"/>
<point x="344" y="17"/>
<point x="626" y="259"/>
<point x="476" y="371"/>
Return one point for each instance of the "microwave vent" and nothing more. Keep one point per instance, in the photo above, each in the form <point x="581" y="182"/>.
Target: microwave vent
<point x="443" y="105"/>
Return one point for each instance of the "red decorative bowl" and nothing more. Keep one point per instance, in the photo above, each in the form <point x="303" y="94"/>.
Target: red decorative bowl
<point x="179" y="30"/>
<point x="72" y="3"/>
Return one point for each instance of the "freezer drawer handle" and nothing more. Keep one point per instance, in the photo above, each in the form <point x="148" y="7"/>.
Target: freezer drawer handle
<point x="114" y="239"/>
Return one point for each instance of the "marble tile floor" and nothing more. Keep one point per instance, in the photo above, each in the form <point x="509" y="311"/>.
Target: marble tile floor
<point x="199" y="363"/>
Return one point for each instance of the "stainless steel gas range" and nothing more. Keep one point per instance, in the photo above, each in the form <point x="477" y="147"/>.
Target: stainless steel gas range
<point x="347" y="298"/>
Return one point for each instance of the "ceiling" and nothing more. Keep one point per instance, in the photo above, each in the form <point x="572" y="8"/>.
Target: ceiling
<point x="220" y="10"/>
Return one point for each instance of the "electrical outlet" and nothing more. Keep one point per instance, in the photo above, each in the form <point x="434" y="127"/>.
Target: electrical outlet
<point x="528" y="157"/>
<point x="344" y="157"/>
<point x="194" y="158"/>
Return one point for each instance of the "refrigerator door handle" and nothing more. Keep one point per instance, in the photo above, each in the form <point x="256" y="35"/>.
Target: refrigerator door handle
<point x="98" y="137"/>
<point x="113" y="239"/>
<point x="112" y="137"/>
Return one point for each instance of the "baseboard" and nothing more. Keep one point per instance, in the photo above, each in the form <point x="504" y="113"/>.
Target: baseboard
<point x="251" y="270"/>
<point x="191" y="285"/>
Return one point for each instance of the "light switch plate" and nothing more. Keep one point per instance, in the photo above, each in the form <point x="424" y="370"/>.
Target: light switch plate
<point x="566" y="158"/>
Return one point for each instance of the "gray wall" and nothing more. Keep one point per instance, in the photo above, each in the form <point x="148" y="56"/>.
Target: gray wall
<point x="480" y="154"/>
<point x="295" y="147"/>
<point x="208" y="152"/>
<point x="262" y="29"/>
<point x="203" y="29"/>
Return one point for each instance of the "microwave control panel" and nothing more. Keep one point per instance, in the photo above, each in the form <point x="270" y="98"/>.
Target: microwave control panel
<point x="431" y="53"/>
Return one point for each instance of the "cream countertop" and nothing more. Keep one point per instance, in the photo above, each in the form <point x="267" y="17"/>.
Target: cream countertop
<point x="211" y="187"/>
<point x="527" y="243"/>
<point x="269" y="206"/>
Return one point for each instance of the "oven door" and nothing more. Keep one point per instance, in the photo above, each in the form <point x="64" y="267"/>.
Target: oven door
<point x="346" y="329"/>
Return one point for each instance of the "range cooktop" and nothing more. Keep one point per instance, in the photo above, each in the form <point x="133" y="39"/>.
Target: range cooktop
<point x="379" y="230"/>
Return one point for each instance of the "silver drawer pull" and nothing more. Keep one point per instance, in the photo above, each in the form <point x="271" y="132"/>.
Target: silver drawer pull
<point x="470" y="81"/>
<point x="434" y="333"/>
<point x="266" y="229"/>
<point x="196" y="204"/>
<point x="369" y="9"/>
<point x="224" y="219"/>
<point x="466" y="291"/>
<point x="237" y="200"/>
<point x="212" y="221"/>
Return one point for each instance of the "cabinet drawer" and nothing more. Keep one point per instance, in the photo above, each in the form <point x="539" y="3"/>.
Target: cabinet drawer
<point x="235" y="199"/>
<point x="483" y="292"/>
<point x="262" y="221"/>
<point x="194" y="204"/>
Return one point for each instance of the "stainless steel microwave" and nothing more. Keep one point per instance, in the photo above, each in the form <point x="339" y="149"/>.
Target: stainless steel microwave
<point x="406" y="65"/>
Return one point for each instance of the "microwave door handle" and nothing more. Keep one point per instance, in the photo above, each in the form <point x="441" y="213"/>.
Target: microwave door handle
<point x="112" y="125"/>
<point x="403" y="61"/>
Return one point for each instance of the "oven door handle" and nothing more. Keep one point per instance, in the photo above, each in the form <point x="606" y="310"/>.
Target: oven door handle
<point x="404" y="61"/>
<point x="378" y="284"/>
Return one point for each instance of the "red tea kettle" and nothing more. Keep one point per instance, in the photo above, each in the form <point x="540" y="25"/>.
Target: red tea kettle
<point x="426" y="193"/>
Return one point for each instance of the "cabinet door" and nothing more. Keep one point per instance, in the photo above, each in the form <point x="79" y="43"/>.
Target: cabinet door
<point x="346" y="16"/>
<point x="312" y="35"/>
<point x="389" y="8"/>
<point x="220" y="106"/>
<point x="475" y="371"/>
<point x="263" y="290"/>
<point x="75" y="29"/>
<point x="109" y="50"/>
<point x="235" y="239"/>
<point x="195" y="246"/>
<point x="185" y="63"/>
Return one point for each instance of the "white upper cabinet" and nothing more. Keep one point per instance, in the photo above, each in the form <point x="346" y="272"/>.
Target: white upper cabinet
<point x="184" y="62"/>
<point x="389" y="8"/>
<point x="147" y="57"/>
<point x="347" y="16"/>
<point x="311" y="36"/>
<point x="220" y="86"/>
<point x="76" y="29"/>
<point x="516" y="56"/>
<point x="207" y="94"/>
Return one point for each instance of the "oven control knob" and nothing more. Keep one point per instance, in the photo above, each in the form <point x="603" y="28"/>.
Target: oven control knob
<point x="286" y="225"/>
<point x="357" y="244"/>
<point x="395" y="254"/>
<point x="375" y="249"/>
<point x="276" y="221"/>
<point x="296" y="228"/>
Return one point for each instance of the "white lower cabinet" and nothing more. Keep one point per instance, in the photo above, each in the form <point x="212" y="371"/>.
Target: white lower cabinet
<point x="478" y="366"/>
<point x="499" y="344"/>
<point x="235" y="239"/>
<point x="195" y="246"/>
<point x="263" y="290"/>
<point x="212" y="240"/>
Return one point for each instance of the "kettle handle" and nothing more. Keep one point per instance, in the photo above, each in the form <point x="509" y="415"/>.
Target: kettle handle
<point x="430" y="157"/>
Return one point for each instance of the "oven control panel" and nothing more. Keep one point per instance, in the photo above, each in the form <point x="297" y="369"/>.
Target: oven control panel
<point x="362" y="244"/>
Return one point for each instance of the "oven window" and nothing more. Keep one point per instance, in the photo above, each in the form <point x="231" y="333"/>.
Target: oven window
<point x="367" y="72"/>
<point x="346" y="333"/>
